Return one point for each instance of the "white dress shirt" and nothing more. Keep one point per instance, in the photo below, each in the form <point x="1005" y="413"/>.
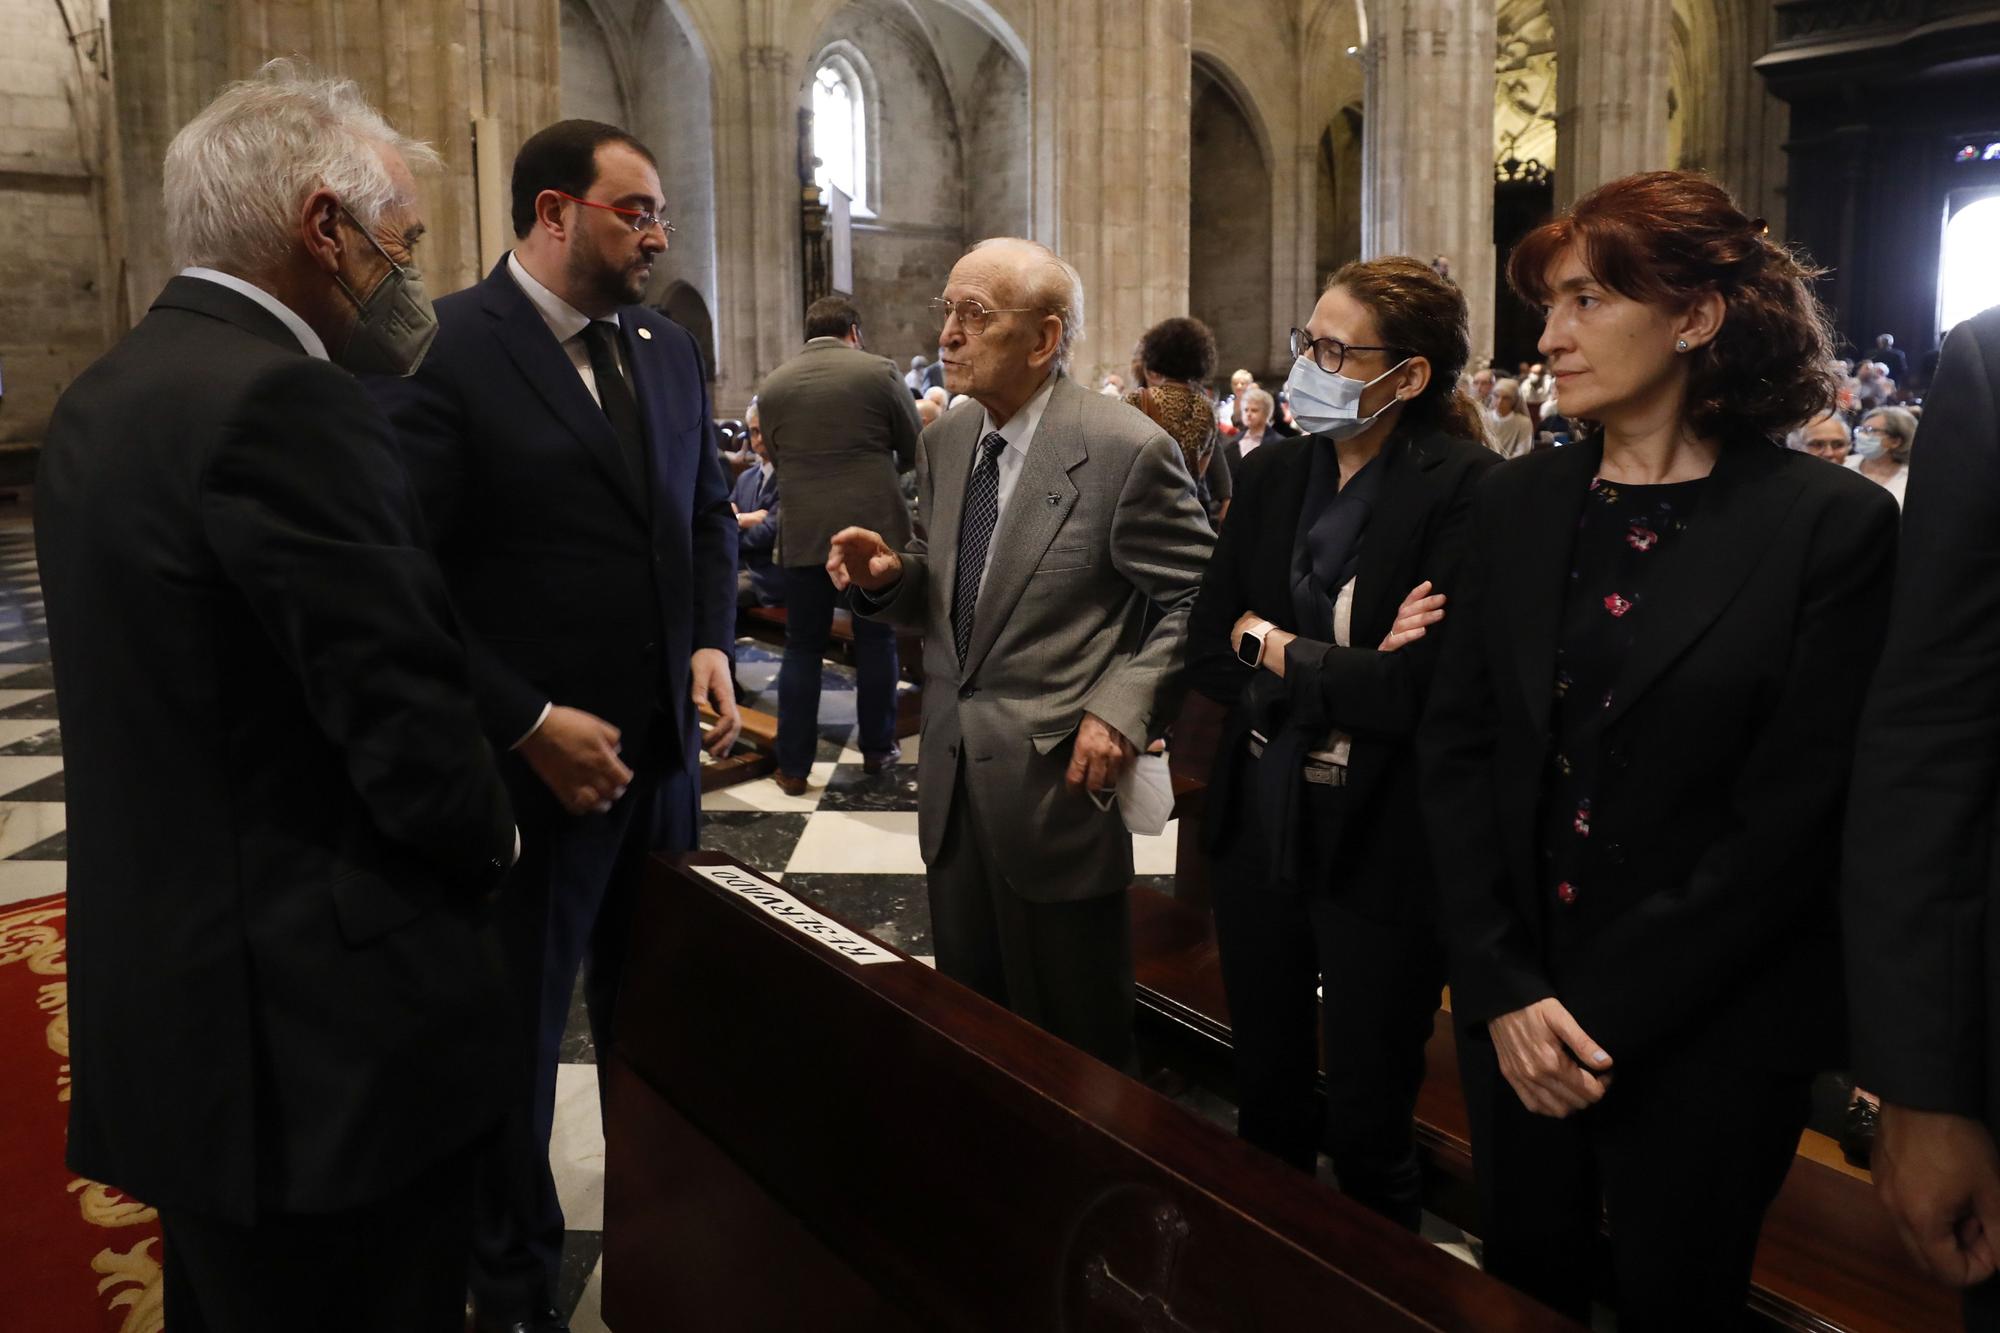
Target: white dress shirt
<point x="308" y="340"/>
<point x="567" y="323"/>
<point x="1019" y="432"/>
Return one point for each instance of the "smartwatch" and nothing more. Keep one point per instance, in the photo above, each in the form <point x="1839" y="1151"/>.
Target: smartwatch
<point x="1250" y="646"/>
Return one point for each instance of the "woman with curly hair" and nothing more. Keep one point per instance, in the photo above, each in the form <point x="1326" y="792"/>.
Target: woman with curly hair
<point x="1179" y="353"/>
<point x="1637" y="753"/>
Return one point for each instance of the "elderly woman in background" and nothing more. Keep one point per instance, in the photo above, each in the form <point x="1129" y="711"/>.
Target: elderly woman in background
<point x="1882" y="449"/>
<point x="1230" y="413"/>
<point x="1509" y="433"/>
<point x="1825" y="436"/>
<point x="1258" y="429"/>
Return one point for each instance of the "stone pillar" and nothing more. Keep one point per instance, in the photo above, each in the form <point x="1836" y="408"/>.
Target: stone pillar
<point x="430" y="66"/>
<point x="1427" y="143"/>
<point x="759" y="319"/>
<point x="1613" y="70"/>
<point x="1113" y="78"/>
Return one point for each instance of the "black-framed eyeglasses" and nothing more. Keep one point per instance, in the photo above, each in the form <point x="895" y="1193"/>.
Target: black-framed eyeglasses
<point x="1329" y="354"/>
<point x="972" y="316"/>
<point x="640" y="218"/>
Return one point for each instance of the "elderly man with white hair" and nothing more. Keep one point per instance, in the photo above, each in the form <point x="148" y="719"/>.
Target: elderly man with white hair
<point x="1058" y="518"/>
<point x="286" y="825"/>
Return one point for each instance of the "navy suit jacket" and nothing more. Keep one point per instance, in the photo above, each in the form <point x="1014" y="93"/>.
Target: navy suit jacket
<point x="573" y="587"/>
<point x="755" y="546"/>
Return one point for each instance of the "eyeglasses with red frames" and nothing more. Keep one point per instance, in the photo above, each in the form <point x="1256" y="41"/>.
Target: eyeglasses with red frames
<point x="641" y="219"/>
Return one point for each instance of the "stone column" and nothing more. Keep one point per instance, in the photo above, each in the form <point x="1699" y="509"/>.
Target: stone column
<point x="759" y="319"/>
<point x="1116" y="75"/>
<point x="430" y="66"/>
<point x="1613" y="70"/>
<point x="1427" y="143"/>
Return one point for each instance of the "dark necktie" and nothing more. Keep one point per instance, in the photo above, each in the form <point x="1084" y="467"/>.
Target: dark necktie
<point x="975" y="535"/>
<point x="614" y="393"/>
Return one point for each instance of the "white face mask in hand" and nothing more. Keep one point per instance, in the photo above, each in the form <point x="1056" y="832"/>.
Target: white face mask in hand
<point x="1328" y="404"/>
<point x="1144" y="796"/>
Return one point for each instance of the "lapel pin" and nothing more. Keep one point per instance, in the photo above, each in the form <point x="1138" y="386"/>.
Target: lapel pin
<point x="1054" y="499"/>
<point x="647" y="334"/>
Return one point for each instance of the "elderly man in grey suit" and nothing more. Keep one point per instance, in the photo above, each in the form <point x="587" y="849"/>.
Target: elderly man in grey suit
<point x="1056" y="518"/>
<point x="839" y="426"/>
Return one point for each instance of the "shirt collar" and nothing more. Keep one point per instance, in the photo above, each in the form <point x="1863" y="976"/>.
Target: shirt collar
<point x="314" y="346"/>
<point x="564" y="320"/>
<point x="1019" y="432"/>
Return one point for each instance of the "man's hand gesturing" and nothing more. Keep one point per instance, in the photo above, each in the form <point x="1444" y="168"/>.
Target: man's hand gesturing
<point x="860" y="558"/>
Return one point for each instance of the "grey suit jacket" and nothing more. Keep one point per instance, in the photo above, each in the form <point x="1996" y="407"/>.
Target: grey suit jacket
<point x="1102" y="522"/>
<point x="840" y="424"/>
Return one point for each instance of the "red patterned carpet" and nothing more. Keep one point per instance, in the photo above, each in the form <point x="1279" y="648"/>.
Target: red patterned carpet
<point x="75" y="1257"/>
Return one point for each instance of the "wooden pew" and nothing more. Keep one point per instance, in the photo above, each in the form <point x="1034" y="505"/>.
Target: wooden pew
<point x="796" y="1140"/>
<point x="1828" y="1262"/>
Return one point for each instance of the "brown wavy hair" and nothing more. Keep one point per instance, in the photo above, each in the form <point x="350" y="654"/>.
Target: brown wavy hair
<point x="1419" y="314"/>
<point x="1667" y="238"/>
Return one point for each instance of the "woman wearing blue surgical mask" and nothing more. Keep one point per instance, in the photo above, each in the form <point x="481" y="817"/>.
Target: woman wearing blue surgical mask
<point x="1881" y="450"/>
<point x="1317" y="626"/>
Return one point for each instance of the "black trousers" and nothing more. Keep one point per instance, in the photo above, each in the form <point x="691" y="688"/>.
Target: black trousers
<point x="1065" y="967"/>
<point x="1683" y="1158"/>
<point x="569" y="903"/>
<point x="396" y="1266"/>
<point x="1381" y="980"/>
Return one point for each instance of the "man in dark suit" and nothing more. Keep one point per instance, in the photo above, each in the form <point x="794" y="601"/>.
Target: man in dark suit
<point x="759" y="582"/>
<point x="562" y="445"/>
<point x="285" y="825"/>
<point x="1887" y="354"/>
<point x="839" y="427"/>
<point x="1922" y="901"/>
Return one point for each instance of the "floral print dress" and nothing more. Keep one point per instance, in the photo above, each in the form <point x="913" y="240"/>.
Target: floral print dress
<point x="1621" y="539"/>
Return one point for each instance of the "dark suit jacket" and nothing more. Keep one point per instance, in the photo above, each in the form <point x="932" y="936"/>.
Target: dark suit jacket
<point x="840" y="425"/>
<point x="574" y="589"/>
<point x="1724" y="761"/>
<point x="1922" y="881"/>
<point x="283" y="818"/>
<point x="753" y="545"/>
<point x="1415" y="533"/>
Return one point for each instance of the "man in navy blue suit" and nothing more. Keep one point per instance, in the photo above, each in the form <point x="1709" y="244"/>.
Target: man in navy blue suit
<point x="561" y="444"/>
<point x="759" y="581"/>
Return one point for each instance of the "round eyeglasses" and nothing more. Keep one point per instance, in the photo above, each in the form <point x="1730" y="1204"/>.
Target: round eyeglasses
<point x="1329" y="354"/>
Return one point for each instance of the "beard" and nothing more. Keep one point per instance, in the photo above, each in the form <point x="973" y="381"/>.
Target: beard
<point x="611" y="280"/>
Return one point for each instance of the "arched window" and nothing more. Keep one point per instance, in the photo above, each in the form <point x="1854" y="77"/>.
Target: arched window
<point x="840" y="130"/>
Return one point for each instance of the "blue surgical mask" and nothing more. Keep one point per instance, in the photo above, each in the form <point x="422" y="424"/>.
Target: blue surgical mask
<point x="1326" y="404"/>
<point x="1868" y="444"/>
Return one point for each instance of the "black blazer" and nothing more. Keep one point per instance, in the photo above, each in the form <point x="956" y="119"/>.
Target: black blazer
<point x="1922" y="880"/>
<point x="574" y="588"/>
<point x="1415" y="533"/>
<point x="1724" y="761"/>
<point x="283" y="817"/>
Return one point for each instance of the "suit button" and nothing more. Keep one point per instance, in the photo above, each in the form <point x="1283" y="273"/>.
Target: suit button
<point x="1614" y="853"/>
<point x="967" y="691"/>
<point x="650" y="649"/>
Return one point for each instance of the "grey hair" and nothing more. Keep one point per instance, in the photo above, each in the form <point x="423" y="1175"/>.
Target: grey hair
<point x="1797" y="439"/>
<point x="237" y="173"/>
<point x="1509" y="386"/>
<point x="1052" y="285"/>
<point x="1900" y="424"/>
<point x="1258" y="394"/>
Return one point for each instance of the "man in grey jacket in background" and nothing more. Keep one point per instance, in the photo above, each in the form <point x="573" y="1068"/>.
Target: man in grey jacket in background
<point x="839" y="425"/>
<point x="1056" y="516"/>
